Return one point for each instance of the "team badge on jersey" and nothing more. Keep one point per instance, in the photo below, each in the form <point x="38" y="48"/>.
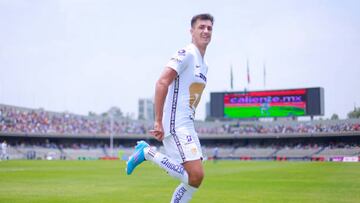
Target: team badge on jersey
<point x="194" y="150"/>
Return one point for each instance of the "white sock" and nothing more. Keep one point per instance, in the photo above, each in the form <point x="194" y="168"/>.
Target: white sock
<point x="172" y="167"/>
<point x="183" y="193"/>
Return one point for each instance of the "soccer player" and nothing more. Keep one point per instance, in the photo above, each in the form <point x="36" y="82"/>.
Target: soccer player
<point x="4" y="155"/>
<point x="177" y="94"/>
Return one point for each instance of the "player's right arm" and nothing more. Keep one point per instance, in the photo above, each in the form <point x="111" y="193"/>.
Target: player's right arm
<point x="174" y="67"/>
<point x="161" y="89"/>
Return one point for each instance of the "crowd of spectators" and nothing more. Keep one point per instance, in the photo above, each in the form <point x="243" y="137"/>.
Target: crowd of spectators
<point x="46" y="143"/>
<point x="283" y="128"/>
<point x="17" y="120"/>
<point x="30" y="121"/>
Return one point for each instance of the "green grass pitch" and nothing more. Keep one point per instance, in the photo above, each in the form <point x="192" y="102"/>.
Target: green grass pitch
<point x="225" y="181"/>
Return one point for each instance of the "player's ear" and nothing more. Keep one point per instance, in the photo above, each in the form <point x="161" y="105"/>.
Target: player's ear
<point x="192" y="33"/>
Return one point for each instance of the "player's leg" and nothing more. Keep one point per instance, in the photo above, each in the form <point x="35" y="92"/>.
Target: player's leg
<point x="189" y="146"/>
<point x="184" y="192"/>
<point x="183" y="156"/>
<point x="144" y="152"/>
<point x="195" y="172"/>
<point x="173" y="167"/>
<point x="185" y="153"/>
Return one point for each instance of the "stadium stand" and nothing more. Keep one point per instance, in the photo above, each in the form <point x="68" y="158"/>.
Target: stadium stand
<point x="38" y="121"/>
<point x="40" y="134"/>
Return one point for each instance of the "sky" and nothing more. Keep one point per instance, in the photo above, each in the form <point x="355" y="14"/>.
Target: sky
<point x="90" y="55"/>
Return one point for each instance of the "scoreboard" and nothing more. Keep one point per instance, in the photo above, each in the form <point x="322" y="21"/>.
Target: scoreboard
<point x="269" y="103"/>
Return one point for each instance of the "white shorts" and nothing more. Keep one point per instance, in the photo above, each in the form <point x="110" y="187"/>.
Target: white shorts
<point x="183" y="147"/>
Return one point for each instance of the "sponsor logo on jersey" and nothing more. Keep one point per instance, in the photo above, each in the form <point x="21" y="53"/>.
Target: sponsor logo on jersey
<point x="182" y="52"/>
<point x="176" y="60"/>
<point x="202" y="76"/>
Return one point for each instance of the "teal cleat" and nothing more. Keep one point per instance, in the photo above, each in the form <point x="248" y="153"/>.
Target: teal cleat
<point x="137" y="157"/>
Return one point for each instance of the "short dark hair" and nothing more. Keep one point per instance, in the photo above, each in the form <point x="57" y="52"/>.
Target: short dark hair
<point x="203" y="16"/>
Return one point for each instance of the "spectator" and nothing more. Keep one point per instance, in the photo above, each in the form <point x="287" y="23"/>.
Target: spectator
<point x="29" y="121"/>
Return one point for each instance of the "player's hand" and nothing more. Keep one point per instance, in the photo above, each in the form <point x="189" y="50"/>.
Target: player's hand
<point x="158" y="132"/>
<point x="159" y="135"/>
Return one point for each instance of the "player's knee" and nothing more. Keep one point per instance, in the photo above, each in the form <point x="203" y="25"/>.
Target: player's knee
<point x="195" y="178"/>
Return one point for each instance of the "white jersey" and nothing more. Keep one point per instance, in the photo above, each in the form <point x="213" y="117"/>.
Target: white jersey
<point x="4" y="147"/>
<point x="185" y="91"/>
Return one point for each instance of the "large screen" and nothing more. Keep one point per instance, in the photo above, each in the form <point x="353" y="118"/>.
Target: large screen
<point x="280" y="103"/>
<point x="270" y="103"/>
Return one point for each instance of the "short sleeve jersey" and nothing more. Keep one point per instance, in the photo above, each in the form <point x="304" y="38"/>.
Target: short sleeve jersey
<point x="185" y="91"/>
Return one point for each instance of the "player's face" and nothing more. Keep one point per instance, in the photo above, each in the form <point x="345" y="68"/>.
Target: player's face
<point x="201" y="32"/>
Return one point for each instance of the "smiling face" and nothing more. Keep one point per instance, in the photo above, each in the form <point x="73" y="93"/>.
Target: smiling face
<point x="201" y="33"/>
